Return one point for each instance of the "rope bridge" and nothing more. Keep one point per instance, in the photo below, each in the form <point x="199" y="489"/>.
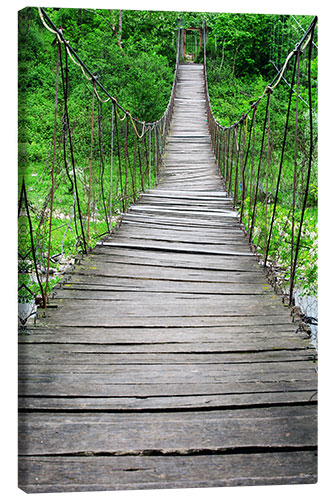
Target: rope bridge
<point x="130" y="156"/>
<point x="165" y="359"/>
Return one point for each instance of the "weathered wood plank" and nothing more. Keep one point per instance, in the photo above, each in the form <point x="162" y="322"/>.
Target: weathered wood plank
<point x="163" y="374"/>
<point x="170" y="259"/>
<point x="100" y="317"/>
<point x="166" y="402"/>
<point x="87" y="354"/>
<point x="72" y="387"/>
<point x="58" y="474"/>
<point x="285" y="426"/>
<point x="178" y="247"/>
<point x="102" y="268"/>
<point x="212" y="339"/>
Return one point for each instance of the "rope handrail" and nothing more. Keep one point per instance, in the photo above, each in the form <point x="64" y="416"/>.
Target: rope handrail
<point x="135" y="156"/>
<point x="227" y="156"/>
<point x="93" y="78"/>
<point x="299" y="46"/>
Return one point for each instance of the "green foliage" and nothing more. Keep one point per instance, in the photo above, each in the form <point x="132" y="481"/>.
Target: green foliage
<point x="239" y="66"/>
<point x="280" y="246"/>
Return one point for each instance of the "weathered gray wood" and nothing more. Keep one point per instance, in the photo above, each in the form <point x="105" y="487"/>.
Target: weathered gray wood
<point x="80" y="316"/>
<point x="72" y="387"/>
<point x="173" y="372"/>
<point x="171" y="285"/>
<point x="166" y="402"/>
<point x="211" y="339"/>
<point x="160" y="258"/>
<point x="179" y="247"/>
<point x="168" y="340"/>
<point x="59" y="474"/>
<point x="286" y="426"/>
<point x="167" y="272"/>
<point x="87" y="354"/>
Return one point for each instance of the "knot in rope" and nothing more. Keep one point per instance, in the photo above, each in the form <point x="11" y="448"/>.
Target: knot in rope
<point x="298" y="47"/>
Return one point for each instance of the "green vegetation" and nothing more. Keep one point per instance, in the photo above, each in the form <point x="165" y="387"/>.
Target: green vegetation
<point x="239" y="66"/>
<point x="133" y="53"/>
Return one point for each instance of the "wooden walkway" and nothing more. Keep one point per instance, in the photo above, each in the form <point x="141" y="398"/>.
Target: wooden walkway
<point x="168" y="362"/>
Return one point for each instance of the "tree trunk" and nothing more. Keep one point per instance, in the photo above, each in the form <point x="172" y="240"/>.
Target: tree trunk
<point x="222" y="59"/>
<point x="233" y="68"/>
<point x="112" y="21"/>
<point x="120" y="28"/>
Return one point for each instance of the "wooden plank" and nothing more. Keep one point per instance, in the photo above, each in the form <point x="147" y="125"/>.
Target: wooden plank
<point x="231" y="242"/>
<point x="177" y="221"/>
<point x="81" y="316"/>
<point x="164" y="307"/>
<point x="87" y="354"/>
<point x="285" y="426"/>
<point x="147" y="343"/>
<point x="95" y="268"/>
<point x="160" y="258"/>
<point x="166" y="374"/>
<point x="73" y="387"/>
<point x="211" y="339"/>
<point x="58" y="474"/>
<point x="196" y="402"/>
<point x="177" y="247"/>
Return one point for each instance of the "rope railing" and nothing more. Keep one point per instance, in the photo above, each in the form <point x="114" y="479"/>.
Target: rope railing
<point x="255" y="165"/>
<point x="123" y="158"/>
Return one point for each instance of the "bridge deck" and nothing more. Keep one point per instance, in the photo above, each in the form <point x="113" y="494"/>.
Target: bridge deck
<point x="168" y="362"/>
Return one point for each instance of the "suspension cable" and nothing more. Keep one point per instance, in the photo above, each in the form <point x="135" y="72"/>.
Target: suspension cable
<point x="86" y="71"/>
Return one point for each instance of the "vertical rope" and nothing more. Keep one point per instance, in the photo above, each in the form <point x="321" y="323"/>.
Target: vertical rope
<point x="77" y="198"/>
<point x="119" y="162"/>
<point x="268" y="164"/>
<point x="292" y="277"/>
<point x="91" y="157"/>
<point x="111" y="165"/>
<point x="141" y="165"/>
<point x="281" y="163"/>
<point x="102" y="166"/>
<point x="149" y="158"/>
<point x="134" y="167"/>
<point x="231" y="157"/>
<point x="295" y="164"/>
<point x="218" y="131"/>
<point x="52" y="179"/>
<point x="126" y="160"/>
<point x="238" y="146"/>
<point x="244" y="167"/>
<point x="259" y="167"/>
<point x="23" y="195"/>
<point x="156" y="151"/>
<point x="223" y="151"/>
<point x="252" y="166"/>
